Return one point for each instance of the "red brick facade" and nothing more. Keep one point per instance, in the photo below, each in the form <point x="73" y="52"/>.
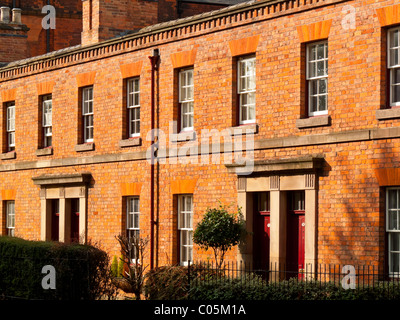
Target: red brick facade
<point x="358" y="139"/>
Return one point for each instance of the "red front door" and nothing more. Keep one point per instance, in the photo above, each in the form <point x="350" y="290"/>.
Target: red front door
<point x="74" y="220"/>
<point x="261" y="228"/>
<point x="55" y="213"/>
<point x="295" y="245"/>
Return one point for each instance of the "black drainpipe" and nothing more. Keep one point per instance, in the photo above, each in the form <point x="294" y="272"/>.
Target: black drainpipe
<point x="154" y="67"/>
<point x="48" y="35"/>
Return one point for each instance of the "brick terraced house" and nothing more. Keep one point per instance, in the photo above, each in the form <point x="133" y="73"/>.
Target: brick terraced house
<point x="312" y="85"/>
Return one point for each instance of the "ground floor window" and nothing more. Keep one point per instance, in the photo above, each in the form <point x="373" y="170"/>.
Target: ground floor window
<point x="185" y="227"/>
<point x="132" y="222"/>
<point x="393" y="229"/>
<point x="10" y="217"/>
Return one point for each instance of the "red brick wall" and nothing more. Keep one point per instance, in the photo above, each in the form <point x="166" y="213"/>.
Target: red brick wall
<point x="350" y="226"/>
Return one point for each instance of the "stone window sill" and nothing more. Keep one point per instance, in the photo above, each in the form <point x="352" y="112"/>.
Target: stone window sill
<point x="8" y="155"/>
<point x="385" y="114"/>
<point x="44" y="152"/>
<point x="183" y="136"/>
<point x="84" y="147"/>
<point x="131" y="142"/>
<point x="317" y="121"/>
<point x="244" y="129"/>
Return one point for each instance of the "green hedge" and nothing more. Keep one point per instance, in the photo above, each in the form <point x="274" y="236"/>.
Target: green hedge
<point x="82" y="271"/>
<point x="172" y="283"/>
<point x="254" y="288"/>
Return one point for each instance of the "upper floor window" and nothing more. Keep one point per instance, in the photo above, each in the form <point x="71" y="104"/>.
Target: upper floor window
<point x="185" y="227"/>
<point x="393" y="229"/>
<point x="10" y="217"/>
<point x="47" y="115"/>
<point x="87" y="114"/>
<point x="394" y="66"/>
<point x="10" y="125"/>
<point x="186" y="98"/>
<point x="317" y="78"/>
<point x="133" y="105"/>
<point x="247" y="89"/>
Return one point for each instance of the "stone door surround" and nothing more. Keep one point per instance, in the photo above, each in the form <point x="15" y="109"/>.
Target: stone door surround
<point x="63" y="187"/>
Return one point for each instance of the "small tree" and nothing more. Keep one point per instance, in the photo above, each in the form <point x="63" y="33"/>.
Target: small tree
<point x="220" y="230"/>
<point x="133" y="272"/>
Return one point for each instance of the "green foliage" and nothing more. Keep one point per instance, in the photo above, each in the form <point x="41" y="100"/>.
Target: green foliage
<point x="120" y="269"/>
<point x="172" y="283"/>
<point x="114" y="267"/>
<point x="220" y="230"/>
<point x="255" y="288"/>
<point x="82" y="271"/>
<point x="167" y="283"/>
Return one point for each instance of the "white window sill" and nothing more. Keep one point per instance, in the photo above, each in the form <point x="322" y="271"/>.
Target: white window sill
<point x="84" y="147"/>
<point x="131" y="142"/>
<point x="385" y="114"/>
<point x="44" y="151"/>
<point x="317" y="121"/>
<point x="244" y="129"/>
<point x="8" y="155"/>
<point x="183" y="136"/>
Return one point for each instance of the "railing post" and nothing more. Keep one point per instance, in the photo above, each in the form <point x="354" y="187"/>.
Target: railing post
<point x="188" y="293"/>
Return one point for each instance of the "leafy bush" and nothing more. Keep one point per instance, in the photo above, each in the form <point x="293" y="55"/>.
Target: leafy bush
<point x="82" y="271"/>
<point x="255" y="288"/>
<point x="167" y="283"/>
<point x="220" y="230"/>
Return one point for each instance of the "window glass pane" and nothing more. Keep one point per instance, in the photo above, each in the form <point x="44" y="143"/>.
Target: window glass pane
<point x="182" y="79"/>
<point x="189" y="78"/>
<point x="244" y="113"/>
<point x="311" y="69"/>
<point x="320" y="68"/>
<point x="393" y="220"/>
<point x="322" y="86"/>
<point x="136" y="205"/>
<point x="136" y="221"/>
<point x="320" y="51"/>
<point x="313" y="87"/>
<point x="394" y="241"/>
<point x="396" y="76"/>
<point x="314" y="103"/>
<point x="396" y="93"/>
<point x="242" y="66"/>
<point x="394" y="57"/>
<point x="252" y="113"/>
<point x="395" y="262"/>
<point x="322" y="105"/>
<point x="136" y="85"/>
<point x="392" y="199"/>
<point x="312" y="52"/>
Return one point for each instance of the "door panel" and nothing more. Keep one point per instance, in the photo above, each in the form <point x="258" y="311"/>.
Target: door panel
<point x="261" y="229"/>
<point x="74" y="220"/>
<point x="55" y="224"/>
<point x="295" y="243"/>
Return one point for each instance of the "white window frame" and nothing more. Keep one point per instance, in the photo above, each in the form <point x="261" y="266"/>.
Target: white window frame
<point x="10" y="217"/>
<point x="133" y="105"/>
<point x="316" y="79"/>
<point x="392" y="65"/>
<point x="246" y="88"/>
<point x="10" y="127"/>
<point x="186" y="98"/>
<point x="185" y="227"/>
<point x="393" y="232"/>
<point x="133" y="220"/>
<point x="87" y="114"/>
<point x="47" y="120"/>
